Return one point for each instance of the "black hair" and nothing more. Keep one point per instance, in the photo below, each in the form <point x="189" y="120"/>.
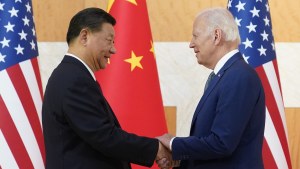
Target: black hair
<point x="91" y="18"/>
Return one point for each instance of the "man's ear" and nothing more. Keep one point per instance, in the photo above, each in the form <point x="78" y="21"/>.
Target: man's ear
<point x="217" y="36"/>
<point x="83" y="36"/>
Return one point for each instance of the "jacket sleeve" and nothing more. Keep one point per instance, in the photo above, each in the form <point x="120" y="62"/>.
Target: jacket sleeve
<point x="88" y="115"/>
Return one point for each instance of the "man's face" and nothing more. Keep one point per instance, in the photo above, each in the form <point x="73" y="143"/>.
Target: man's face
<point x="202" y="42"/>
<point x="100" y="46"/>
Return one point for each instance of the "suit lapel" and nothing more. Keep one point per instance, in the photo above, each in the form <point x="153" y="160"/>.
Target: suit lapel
<point x="206" y="93"/>
<point x="213" y="83"/>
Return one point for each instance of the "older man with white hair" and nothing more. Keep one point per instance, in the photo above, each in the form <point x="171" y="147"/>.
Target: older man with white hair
<point x="227" y="128"/>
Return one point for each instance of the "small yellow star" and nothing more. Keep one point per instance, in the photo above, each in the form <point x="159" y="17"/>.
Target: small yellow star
<point x="133" y="2"/>
<point x="135" y="61"/>
<point x="110" y="3"/>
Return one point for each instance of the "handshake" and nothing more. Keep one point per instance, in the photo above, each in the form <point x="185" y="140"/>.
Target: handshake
<point x="164" y="154"/>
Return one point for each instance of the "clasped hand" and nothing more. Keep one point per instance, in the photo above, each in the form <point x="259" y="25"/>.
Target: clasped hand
<point x="164" y="155"/>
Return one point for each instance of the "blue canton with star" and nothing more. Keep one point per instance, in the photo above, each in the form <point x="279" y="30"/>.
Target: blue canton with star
<point x="254" y="23"/>
<point x="17" y="35"/>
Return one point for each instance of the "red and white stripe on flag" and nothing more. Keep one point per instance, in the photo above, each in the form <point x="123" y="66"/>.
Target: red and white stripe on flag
<point x="275" y="149"/>
<point x="21" y="137"/>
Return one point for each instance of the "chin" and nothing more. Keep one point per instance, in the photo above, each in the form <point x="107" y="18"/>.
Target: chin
<point x="103" y="66"/>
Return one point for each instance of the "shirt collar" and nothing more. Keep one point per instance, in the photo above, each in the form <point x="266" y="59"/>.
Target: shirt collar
<point x="224" y="59"/>
<point x="88" y="68"/>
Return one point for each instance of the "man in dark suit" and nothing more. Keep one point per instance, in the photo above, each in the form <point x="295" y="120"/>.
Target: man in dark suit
<point x="227" y="128"/>
<point x="80" y="128"/>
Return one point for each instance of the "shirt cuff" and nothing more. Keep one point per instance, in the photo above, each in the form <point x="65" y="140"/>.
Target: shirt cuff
<point x="171" y="141"/>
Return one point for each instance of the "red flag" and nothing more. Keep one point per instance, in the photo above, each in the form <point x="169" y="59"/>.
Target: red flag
<point x="21" y="137"/>
<point x="130" y="82"/>
<point x="257" y="47"/>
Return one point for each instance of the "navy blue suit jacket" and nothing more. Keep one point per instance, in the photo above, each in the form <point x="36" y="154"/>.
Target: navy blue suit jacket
<point x="227" y="129"/>
<point x="81" y="130"/>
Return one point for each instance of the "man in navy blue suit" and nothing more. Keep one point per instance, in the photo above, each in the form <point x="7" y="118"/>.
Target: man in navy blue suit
<point x="227" y="128"/>
<point x="80" y="129"/>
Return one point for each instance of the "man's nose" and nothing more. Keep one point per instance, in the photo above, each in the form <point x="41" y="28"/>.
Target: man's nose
<point x="113" y="50"/>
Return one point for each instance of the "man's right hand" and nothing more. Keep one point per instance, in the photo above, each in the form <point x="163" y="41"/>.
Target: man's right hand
<point x="163" y="157"/>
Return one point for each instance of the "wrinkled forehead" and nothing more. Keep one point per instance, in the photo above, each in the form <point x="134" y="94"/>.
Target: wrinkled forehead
<point x="199" y="24"/>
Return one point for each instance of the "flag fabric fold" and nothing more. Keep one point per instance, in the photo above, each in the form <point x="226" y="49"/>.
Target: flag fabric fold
<point x="21" y="137"/>
<point x="130" y="82"/>
<point x="258" y="49"/>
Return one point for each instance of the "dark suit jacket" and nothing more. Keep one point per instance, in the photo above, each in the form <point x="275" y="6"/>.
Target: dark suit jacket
<point x="227" y="129"/>
<point x="80" y="128"/>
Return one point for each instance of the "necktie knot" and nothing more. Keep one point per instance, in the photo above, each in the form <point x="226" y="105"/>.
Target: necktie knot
<point x="210" y="77"/>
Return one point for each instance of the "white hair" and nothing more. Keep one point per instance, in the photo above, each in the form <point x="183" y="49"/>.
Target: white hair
<point x="221" y="18"/>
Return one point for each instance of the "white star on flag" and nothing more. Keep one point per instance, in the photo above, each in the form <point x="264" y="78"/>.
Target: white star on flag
<point x="28" y="8"/>
<point x="1" y="6"/>
<point x="264" y="36"/>
<point x="19" y="49"/>
<point x="33" y="32"/>
<point x="267" y="21"/>
<point x="13" y="12"/>
<point x="240" y="6"/>
<point x="254" y="12"/>
<point x="23" y="35"/>
<point x="251" y="27"/>
<point x="262" y="50"/>
<point x="9" y="27"/>
<point x="26" y="21"/>
<point x="5" y="42"/>
<point x="32" y="45"/>
<point x="238" y="21"/>
<point x="2" y="57"/>
<point x="248" y="43"/>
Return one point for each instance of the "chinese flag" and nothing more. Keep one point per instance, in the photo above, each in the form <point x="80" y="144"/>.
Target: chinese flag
<point x="130" y="82"/>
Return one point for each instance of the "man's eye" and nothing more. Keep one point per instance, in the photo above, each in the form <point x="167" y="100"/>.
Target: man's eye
<point x="110" y="40"/>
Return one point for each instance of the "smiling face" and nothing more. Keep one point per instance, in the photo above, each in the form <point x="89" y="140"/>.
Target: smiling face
<point x="202" y="42"/>
<point x="100" y="46"/>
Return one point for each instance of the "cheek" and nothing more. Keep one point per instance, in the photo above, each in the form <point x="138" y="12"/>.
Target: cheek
<point x="199" y="44"/>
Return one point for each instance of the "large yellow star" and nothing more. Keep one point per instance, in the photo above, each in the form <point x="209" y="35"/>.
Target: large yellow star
<point x="133" y="2"/>
<point x="135" y="61"/>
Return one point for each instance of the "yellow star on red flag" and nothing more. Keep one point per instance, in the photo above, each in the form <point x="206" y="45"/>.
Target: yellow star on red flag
<point x="133" y="2"/>
<point x="135" y="61"/>
<point x="110" y="3"/>
<point x="152" y="48"/>
<point x="130" y="87"/>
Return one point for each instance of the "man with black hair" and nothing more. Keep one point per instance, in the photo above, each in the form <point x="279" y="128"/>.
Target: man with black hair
<point x="81" y="130"/>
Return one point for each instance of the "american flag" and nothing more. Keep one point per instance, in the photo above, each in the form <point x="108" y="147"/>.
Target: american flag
<point x="258" y="49"/>
<point x="21" y="137"/>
